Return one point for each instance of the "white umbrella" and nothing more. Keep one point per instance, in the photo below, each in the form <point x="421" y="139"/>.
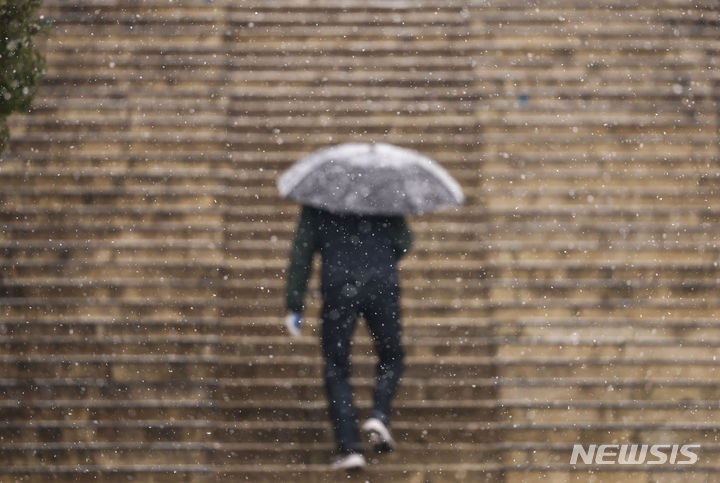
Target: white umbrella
<point x="370" y="179"/>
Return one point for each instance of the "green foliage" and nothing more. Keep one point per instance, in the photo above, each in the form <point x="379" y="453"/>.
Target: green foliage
<point x="21" y="63"/>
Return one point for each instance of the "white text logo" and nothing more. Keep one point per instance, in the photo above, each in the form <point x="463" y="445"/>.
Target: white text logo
<point x="635" y="454"/>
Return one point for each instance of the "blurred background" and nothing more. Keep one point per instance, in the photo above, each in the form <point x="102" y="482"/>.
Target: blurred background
<point x="572" y="300"/>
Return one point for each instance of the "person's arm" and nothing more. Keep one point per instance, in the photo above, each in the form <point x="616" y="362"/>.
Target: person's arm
<point x="402" y="237"/>
<point x="301" y="257"/>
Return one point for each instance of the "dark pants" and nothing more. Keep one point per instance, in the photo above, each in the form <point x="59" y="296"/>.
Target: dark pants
<point x="377" y="302"/>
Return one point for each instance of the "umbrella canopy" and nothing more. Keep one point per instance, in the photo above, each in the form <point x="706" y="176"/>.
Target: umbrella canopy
<point x="370" y="179"/>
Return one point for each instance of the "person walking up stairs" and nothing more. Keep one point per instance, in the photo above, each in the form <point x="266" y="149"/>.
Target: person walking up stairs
<point x="359" y="277"/>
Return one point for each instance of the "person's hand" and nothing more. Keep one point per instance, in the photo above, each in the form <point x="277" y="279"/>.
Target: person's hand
<point x="293" y="321"/>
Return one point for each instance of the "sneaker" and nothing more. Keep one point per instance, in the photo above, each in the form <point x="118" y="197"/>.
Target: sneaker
<point x="349" y="462"/>
<point x="379" y="435"/>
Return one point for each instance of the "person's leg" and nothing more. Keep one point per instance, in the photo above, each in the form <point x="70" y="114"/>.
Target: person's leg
<point x="382" y="314"/>
<point x="339" y="316"/>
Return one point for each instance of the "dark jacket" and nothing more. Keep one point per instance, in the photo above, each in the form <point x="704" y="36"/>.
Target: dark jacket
<point x="354" y="249"/>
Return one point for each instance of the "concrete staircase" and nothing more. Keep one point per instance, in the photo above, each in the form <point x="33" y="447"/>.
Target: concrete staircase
<point x="573" y="300"/>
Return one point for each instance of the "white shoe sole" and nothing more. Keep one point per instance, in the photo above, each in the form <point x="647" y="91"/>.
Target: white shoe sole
<point x="350" y="462"/>
<point x="378" y="435"/>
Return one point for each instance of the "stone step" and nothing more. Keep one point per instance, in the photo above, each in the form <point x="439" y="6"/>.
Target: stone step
<point x="560" y="473"/>
<point x="558" y="453"/>
<point x="155" y="368"/>
<point x="287" y="432"/>
<point x="310" y="389"/>
<point x="36" y="246"/>
<point x="204" y="345"/>
<point x="616" y="83"/>
<point x="542" y="330"/>
<point x="112" y="474"/>
<point x="545" y="413"/>
<point x="201" y="265"/>
<point x="408" y="34"/>
<point x="101" y="454"/>
<point x="155" y="76"/>
<point x="646" y="336"/>
<point x="101" y="92"/>
<point x="222" y="165"/>
<point x="125" y="368"/>
<point x="575" y="328"/>
<point x="224" y="174"/>
<point x="43" y="245"/>
<point x="607" y="411"/>
<point x="200" y="56"/>
<point x="579" y="122"/>
<point x="515" y="38"/>
<point x="415" y="289"/>
<point x="564" y="134"/>
<point x="299" y="432"/>
<point x="318" y="473"/>
<point x="234" y="390"/>
<point x="563" y="217"/>
<point x="165" y="453"/>
<point x="227" y="307"/>
<point x="545" y="96"/>
<point x="442" y="410"/>
<point x="542" y="98"/>
<point x="46" y="251"/>
<point x="170" y="197"/>
<point x="218" y="141"/>
<point x="612" y="369"/>
<point x="265" y="326"/>
<point x="292" y="15"/>
<point x="213" y="410"/>
<point x="414" y="285"/>
<point x="439" y="228"/>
